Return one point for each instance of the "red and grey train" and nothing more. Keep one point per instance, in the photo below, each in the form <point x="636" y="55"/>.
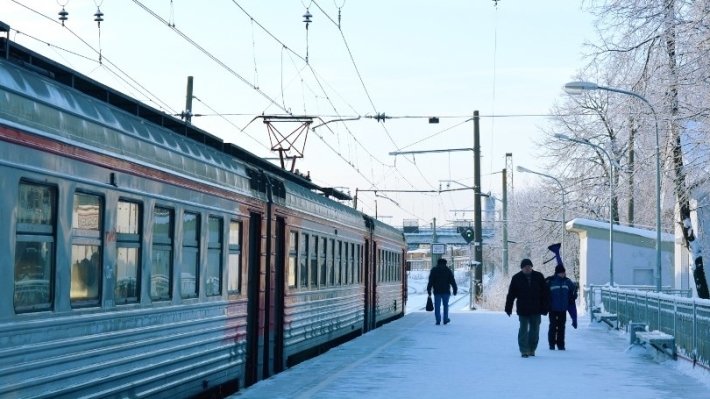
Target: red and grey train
<point x="143" y="257"/>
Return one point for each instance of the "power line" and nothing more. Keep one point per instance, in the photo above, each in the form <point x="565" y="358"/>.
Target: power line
<point x="367" y="92"/>
<point x="322" y="88"/>
<point x="208" y="54"/>
<point x="231" y="123"/>
<point x="131" y="85"/>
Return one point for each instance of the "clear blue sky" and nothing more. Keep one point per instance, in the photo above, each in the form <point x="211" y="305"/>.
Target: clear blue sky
<point x="415" y="58"/>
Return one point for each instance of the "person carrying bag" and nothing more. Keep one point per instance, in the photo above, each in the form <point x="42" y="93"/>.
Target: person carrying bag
<point x="429" y="304"/>
<point x="440" y="278"/>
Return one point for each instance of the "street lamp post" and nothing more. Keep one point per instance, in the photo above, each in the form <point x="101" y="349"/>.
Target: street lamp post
<point x="612" y="164"/>
<point x="577" y="88"/>
<point x="562" y="190"/>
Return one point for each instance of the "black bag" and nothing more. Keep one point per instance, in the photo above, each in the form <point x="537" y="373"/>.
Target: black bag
<point x="429" y="304"/>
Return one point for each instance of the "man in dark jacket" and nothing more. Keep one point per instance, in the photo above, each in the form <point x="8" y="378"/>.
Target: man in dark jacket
<point x="440" y="278"/>
<point x="529" y="289"/>
<point x="563" y="293"/>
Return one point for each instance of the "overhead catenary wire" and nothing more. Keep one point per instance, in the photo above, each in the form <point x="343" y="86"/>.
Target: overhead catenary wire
<point x="234" y="125"/>
<point x="362" y="82"/>
<point x="133" y="84"/>
<point x="322" y="88"/>
<point x="209" y="54"/>
<point x="327" y="94"/>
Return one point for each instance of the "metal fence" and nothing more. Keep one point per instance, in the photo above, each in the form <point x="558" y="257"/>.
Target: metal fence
<point x="686" y="319"/>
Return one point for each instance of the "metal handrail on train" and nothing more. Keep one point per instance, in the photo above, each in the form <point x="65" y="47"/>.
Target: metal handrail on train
<point x="671" y="311"/>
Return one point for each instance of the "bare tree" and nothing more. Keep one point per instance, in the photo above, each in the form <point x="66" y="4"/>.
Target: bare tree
<point x="658" y="42"/>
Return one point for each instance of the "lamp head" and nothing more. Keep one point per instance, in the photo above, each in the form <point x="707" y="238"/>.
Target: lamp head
<point x="562" y="136"/>
<point x="522" y="169"/>
<point x="576" y="88"/>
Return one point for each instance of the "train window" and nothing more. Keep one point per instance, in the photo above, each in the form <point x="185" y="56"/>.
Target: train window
<point x="190" y="268"/>
<point x="380" y="269"/>
<point x="399" y="267"/>
<point x="34" y="248"/>
<point x="128" y="244"/>
<point x="339" y="263"/>
<point x="331" y="263"/>
<point x="162" y="254"/>
<point x="388" y="266"/>
<point x="388" y="263"/>
<point x="351" y="264"/>
<point x="213" y="274"/>
<point x="392" y="267"/>
<point x="292" y="258"/>
<point x="86" y="265"/>
<point x="344" y="275"/>
<point x="358" y="262"/>
<point x="313" y="260"/>
<point x="234" y="272"/>
<point x="383" y="265"/>
<point x="303" y="272"/>
<point x="323" y="261"/>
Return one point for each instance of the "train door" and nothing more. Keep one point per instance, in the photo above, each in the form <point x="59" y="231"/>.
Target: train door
<point x="254" y="310"/>
<point x="373" y="287"/>
<point x="279" y="293"/>
<point x="368" y="278"/>
<point x="405" y="280"/>
<point x="265" y="302"/>
<point x="370" y="284"/>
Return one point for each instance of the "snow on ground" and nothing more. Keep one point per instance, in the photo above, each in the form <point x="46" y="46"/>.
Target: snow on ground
<point x="477" y="356"/>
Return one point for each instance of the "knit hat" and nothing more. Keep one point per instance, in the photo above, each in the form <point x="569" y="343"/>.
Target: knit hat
<point x="559" y="269"/>
<point x="525" y="262"/>
<point x="441" y="262"/>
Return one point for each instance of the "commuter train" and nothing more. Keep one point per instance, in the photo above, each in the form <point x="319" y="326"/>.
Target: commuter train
<point x="143" y="257"/>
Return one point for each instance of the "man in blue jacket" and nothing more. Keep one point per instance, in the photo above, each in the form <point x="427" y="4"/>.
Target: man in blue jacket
<point x="440" y="278"/>
<point x="563" y="293"/>
<point x="528" y="289"/>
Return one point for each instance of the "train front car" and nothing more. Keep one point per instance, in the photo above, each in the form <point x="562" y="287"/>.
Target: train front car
<point x="124" y="241"/>
<point x="149" y="259"/>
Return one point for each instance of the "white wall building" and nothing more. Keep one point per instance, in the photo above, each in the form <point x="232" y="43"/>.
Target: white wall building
<point x="634" y="254"/>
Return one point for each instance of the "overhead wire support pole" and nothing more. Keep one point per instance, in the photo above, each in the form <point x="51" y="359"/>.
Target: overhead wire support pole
<point x="478" y="245"/>
<point x="476" y="149"/>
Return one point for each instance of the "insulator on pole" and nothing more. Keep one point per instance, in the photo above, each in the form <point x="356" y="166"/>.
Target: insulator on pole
<point x="63" y="15"/>
<point x="98" y="16"/>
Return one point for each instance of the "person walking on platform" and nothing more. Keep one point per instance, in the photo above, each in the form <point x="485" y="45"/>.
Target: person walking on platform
<point x="562" y="296"/>
<point x="440" y="278"/>
<point x="529" y="291"/>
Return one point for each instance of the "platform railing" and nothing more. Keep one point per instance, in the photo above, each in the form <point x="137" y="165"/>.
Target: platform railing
<point x="671" y="311"/>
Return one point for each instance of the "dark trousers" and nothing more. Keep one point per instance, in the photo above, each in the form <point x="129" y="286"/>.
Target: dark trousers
<point x="441" y="299"/>
<point x="556" y="333"/>
<point x="528" y="333"/>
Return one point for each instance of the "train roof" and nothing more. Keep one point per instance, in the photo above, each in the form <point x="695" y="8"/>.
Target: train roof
<point x="37" y="63"/>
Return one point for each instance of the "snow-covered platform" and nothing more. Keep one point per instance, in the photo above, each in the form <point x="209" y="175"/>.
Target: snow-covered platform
<point x="476" y="355"/>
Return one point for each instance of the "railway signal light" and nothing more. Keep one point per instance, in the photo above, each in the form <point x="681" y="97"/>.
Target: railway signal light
<point x="468" y="235"/>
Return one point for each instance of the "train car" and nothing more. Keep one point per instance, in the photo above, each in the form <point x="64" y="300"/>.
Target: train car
<point x="146" y="258"/>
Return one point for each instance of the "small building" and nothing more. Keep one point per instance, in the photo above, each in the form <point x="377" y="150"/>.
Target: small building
<point x="634" y="254"/>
